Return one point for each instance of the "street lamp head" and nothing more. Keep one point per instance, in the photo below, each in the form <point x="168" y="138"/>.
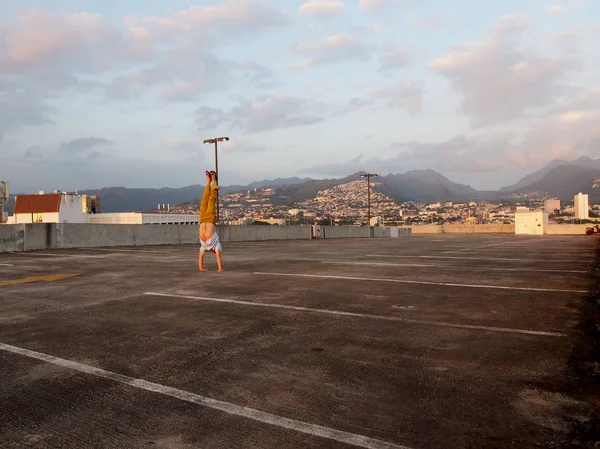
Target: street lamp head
<point x="368" y="175"/>
<point x="217" y="139"/>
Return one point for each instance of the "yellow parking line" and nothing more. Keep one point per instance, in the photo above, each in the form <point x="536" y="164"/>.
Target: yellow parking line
<point x="47" y="278"/>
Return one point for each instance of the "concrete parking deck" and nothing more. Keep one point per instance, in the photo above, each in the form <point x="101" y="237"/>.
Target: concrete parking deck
<point x="442" y="341"/>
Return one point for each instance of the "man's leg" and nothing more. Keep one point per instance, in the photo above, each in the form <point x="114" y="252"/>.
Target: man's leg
<point x="211" y="208"/>
<point x="204" y="204"/>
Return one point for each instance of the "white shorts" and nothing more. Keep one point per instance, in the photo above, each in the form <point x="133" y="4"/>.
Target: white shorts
<point x="212" y="244"/>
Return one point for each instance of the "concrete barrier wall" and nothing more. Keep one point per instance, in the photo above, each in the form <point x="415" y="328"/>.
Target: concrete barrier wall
<point x="425" y="229"/>
<point x="260" y="233"/>
<point x="75" y="235"/>
<point x="155" y="234"/>
<point x="479" y="229"/>
<point x="566" y="229"/>
<point x="40" y="236"/>
<point x="465" y="229"/>
<point x="12" y="238"/>
<point x="189" y="235"/>
<point x="344" y="232"/>
<point x="401" y="232"/>
<point x="350" y="232"/>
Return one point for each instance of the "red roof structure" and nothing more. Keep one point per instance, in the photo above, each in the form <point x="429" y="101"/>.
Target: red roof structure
<point x="37" y="204"/>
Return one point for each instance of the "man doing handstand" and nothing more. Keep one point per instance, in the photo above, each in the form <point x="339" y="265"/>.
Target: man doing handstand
<point x="209" y="240"/>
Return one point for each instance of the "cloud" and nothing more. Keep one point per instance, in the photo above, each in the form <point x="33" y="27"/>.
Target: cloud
<point x="383" y="5"/>
<point x="66" y="154"/>
<point x="176" y="77"/>
<point x="242" y="146"/>
<point x="208" y="118"/>
<point x="569" y="135"/>
<point x="500" y="81"/>
<point x="182" y="145"/>
<point x="44" y="55"/>
<point x="263" y="114"/>
<point x="230" y="17"/>
<point x="256" y="74"/>
<point x="357" y="104"/>
<point x="460" y="154"/>
<point x="185" y="75"/>
<point x="46" y="169"/>
<point x="82" y="145"/>
<point x="433" y="22"/>
<point x="40" y="40"/>
<point x="557" y="9"/>
<point x="395" y="57"/>
<point x="322" y="8"/>
<point x="405" y="96"/>
<point x="20" y="109"/>
<point x="488" y="156"/>
<point x="332" y="50"/>
<point x="238" y="145"/>
<point x="373" y="4"/>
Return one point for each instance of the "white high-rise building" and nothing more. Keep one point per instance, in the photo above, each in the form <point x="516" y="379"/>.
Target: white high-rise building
<point x="582" y="207"/>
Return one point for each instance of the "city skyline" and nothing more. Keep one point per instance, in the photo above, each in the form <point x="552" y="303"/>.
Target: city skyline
<point x="485" y="92"/>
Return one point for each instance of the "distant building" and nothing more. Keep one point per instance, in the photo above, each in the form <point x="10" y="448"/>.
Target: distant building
<point x="48" y="208"/>
<point x="582" y="207"/>
<point x="273" y="221"/>
<point x="552" y="205"/>
<point x="531" y="222"/>
<point x="376" y="221"/>
<point x="143" y="218"/>
<point x="91" y="204"/>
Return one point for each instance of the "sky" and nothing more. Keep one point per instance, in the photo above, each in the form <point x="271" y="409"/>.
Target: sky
<point x="99" y="93"/>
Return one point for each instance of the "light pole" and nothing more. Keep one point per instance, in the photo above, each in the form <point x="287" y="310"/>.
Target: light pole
<point x="215" y="141"/>
<point x="369" y="176"/>
<point x="3" y="199"/>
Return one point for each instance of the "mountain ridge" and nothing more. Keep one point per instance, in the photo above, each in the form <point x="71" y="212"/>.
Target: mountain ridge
<point x="562" y="179"/>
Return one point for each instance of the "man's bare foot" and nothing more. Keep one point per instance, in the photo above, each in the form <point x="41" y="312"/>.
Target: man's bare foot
<point x="203" y="270"/>
<point x="220" y="271"/>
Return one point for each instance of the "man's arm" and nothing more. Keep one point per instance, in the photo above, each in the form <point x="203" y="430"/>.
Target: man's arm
<point x="219" y="260"/>
<point x="201" y="261"/>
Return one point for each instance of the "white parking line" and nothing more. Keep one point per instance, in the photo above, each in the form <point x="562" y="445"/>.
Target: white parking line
<point x="406" y="281"/>
<point x="474" y="248"/>
<point x="477" y="258"/>
<point x="452" y="267"/>
<point x="227" y="407"/>
<point x="120" y="250"/>
<point x="362" y="315"/>
<point x="64" y="256"/>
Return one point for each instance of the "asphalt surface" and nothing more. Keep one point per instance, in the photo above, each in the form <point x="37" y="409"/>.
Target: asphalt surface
<point x="441" y="341"/>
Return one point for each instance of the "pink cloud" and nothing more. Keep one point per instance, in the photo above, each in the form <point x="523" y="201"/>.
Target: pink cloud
<point x="322" y="8"/>
<point x="498" y="80"/>
<point x="38" y="37"/>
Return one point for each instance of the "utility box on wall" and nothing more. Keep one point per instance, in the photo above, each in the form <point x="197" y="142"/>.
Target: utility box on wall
<point x="531" y="222"/>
